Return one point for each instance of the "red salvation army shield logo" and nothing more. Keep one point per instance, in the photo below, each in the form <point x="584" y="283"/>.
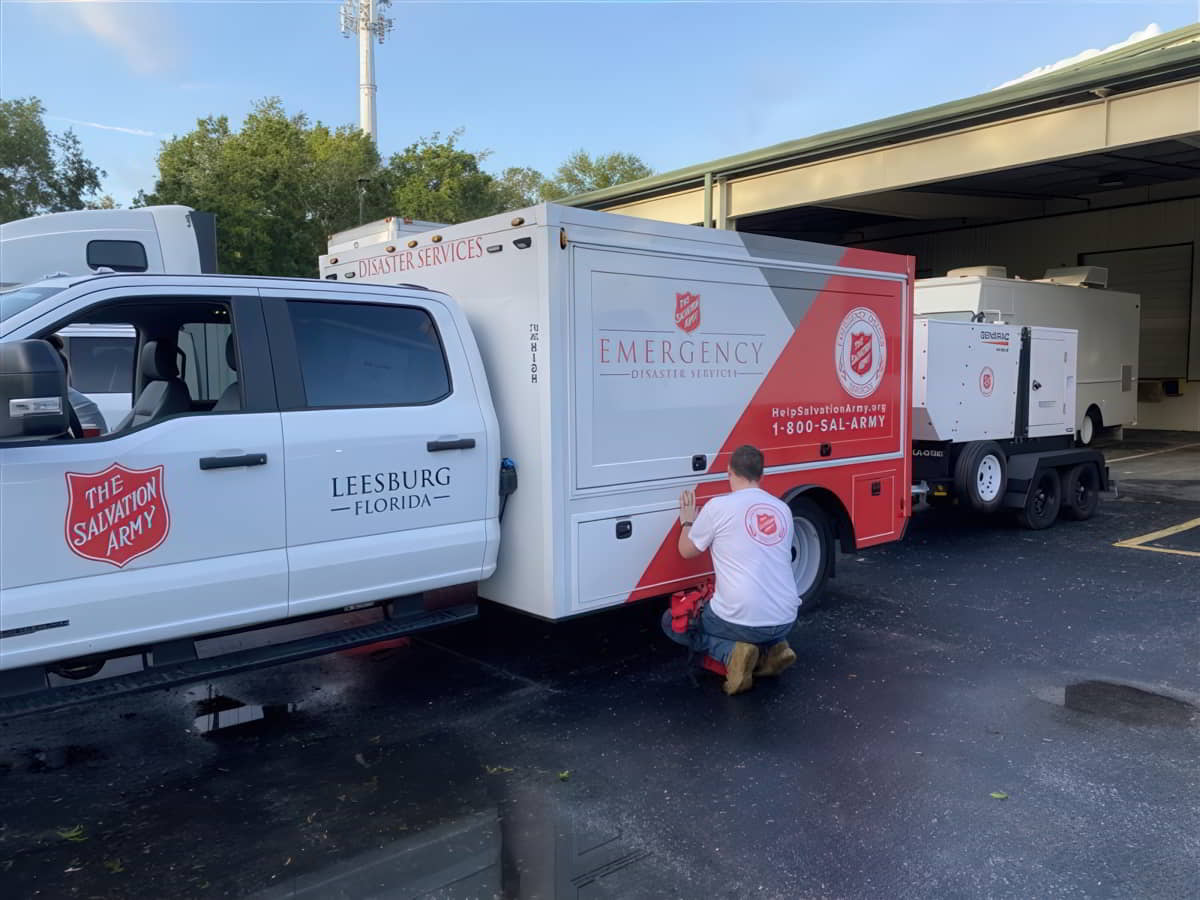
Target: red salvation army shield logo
<point x="687" y="311"/>
<point x="986" y="381"/>
<point x="763" y="524"/>
<point x="860" y="352"/>
<point x="116" y="515"/>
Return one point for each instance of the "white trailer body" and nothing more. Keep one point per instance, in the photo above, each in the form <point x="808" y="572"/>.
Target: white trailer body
<point x="1108" y="324"/>
<point x="174" y="239"/>
<point x="628" y="358"/>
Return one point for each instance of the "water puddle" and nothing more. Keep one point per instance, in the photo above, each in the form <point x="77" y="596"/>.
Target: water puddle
<point x="1124" y="703"/>
<point x="221" y="715"/>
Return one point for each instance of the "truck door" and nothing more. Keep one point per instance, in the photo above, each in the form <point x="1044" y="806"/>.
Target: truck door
<point x="387" y="450"/>
<point x="172" y="524"/>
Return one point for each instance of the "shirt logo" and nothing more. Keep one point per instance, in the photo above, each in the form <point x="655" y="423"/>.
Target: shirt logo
<point x="763" y="525"/>
<point x="116" y="515"/>
<point x="687" y="311"/>
<point x="860" y="354"/>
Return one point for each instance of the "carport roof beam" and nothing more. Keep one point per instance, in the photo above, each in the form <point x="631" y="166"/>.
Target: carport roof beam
<point x="1169" y="57"/>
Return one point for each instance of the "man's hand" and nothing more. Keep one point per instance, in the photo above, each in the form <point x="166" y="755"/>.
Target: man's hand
<point x="687" y="517"/>
<point x="687" y="507"/>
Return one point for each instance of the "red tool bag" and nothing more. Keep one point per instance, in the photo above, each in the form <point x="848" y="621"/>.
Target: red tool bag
<point x="686" y="607"/>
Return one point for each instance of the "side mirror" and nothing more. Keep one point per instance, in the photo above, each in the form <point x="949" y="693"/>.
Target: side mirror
<point x="33" y="391"/>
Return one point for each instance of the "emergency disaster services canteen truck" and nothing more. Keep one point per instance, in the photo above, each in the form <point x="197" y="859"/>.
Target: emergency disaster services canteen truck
<point x="349" y="442"/>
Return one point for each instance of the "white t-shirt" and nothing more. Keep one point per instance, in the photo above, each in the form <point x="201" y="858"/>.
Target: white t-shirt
<point x="750" y="533"/>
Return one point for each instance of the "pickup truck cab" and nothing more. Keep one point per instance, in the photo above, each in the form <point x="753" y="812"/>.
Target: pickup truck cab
<point x="332" y="446"/>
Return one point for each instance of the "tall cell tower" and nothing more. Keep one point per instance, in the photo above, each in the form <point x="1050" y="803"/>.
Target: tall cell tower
<point x="366" y="19"/>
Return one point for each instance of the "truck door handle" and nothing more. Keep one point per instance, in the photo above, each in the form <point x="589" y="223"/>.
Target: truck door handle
<point x="233" y="462"/>
<point x="459" y="444"/>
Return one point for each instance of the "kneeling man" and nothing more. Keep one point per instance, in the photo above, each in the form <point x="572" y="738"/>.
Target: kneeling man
<point x="755" y="603"/>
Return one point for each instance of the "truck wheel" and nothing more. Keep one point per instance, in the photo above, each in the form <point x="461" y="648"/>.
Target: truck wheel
<point x="981" y="475"/>
<point x="1042" y="502"/>
<point x="1080" y="492"/>
<point x="1090" y="427"/>
<point x="812" y="542"/>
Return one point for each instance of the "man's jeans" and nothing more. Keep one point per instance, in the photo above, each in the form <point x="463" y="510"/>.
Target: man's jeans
<point x="716" y="637"/>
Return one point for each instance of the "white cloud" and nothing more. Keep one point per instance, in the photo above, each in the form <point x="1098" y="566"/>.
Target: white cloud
<point x="1151" y="30"/>
<point x="140" y="132"/>
<point x="139" y="32"/>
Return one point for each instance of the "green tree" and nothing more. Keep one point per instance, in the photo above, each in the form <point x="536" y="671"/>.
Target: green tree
<point x="439" y="181"/>
<point x="40" y="171"/>
<point x="279" y="186"/>
<point x="520" y="186"/>
<point x="582" y="173"/>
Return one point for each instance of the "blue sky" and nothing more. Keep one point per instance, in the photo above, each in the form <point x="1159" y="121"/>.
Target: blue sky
<point x="676" y="83"/>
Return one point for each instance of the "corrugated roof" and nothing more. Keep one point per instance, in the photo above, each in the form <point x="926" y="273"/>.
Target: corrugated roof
<point x="1168" y="57"/>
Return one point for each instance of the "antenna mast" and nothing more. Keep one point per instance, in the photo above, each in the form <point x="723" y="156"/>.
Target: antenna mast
<point x="366" y="19"/>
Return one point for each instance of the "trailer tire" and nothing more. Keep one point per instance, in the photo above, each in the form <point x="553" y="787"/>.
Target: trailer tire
<point x="812" y="549"/>
<point x="1080" y="492"/>
<point x="1043" y="501"/>
<point x="981" y="475"/>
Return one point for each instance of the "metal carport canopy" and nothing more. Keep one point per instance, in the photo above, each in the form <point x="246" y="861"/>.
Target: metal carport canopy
<point x="1146" y="92"/>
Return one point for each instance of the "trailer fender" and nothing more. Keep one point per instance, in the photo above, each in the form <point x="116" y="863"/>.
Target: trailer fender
<point x="1023" y="468"/>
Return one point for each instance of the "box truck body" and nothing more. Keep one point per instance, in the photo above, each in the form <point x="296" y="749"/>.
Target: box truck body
<point x="1107" y="322"/>
<point x="627" y="359"/>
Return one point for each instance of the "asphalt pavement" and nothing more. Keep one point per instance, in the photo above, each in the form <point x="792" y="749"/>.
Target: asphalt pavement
<point x="978" y="711"/>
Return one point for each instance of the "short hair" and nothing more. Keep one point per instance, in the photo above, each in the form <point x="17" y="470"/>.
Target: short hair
<point x="747" y="462"/>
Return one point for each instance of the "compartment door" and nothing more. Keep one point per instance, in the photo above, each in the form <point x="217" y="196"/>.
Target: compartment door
<point x="1051" y="381"/>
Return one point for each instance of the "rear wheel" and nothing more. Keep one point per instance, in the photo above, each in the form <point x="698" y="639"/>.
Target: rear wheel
<point x="1080" y="492"/>
<point x="981" y="475"/>
<point x="1042" y="502"/>
<point x="812" y="542"/>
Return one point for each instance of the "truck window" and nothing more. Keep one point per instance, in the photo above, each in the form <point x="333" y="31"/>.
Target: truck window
<point x="358" y="354"/>
<point x="101" y="365"/>
<point x="120" y="256"/>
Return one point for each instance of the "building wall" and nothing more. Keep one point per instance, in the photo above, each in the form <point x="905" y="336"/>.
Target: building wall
<point x="1028" y="248"/>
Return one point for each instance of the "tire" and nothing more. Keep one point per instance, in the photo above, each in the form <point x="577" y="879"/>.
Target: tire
<point x="1090" y="427"/>
<point x="1043" y="501"/>
<point x="1080" y="492"/>
<point x="981" y="476"/>
<point x="812" y="548"/>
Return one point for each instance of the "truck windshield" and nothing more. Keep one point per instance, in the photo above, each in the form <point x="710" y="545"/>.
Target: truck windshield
<point x="18" y="299"/>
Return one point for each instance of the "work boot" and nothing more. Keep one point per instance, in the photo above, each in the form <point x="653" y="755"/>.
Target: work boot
<point x="778" y="658"/>
<point x="739" y="675"/>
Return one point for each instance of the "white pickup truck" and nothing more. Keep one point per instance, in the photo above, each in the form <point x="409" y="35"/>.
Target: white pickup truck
<point x="297" y="448"/>
<point x="342" y="448"/>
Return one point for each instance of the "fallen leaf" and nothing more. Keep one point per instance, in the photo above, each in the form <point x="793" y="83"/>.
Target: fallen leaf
<point x="496" y="770"/>
<point x="564" y="776"/>
<point x="75" y="835"/>
<point x="114" y="866"/>
<point x="999" y="795"/>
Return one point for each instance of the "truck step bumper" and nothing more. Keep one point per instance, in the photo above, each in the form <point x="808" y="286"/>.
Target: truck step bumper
<point x="25" y="692"/>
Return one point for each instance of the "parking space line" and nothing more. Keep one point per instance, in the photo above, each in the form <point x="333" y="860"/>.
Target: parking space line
<point x="1152" y="453"/>
<point x="1140" y="543"/>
